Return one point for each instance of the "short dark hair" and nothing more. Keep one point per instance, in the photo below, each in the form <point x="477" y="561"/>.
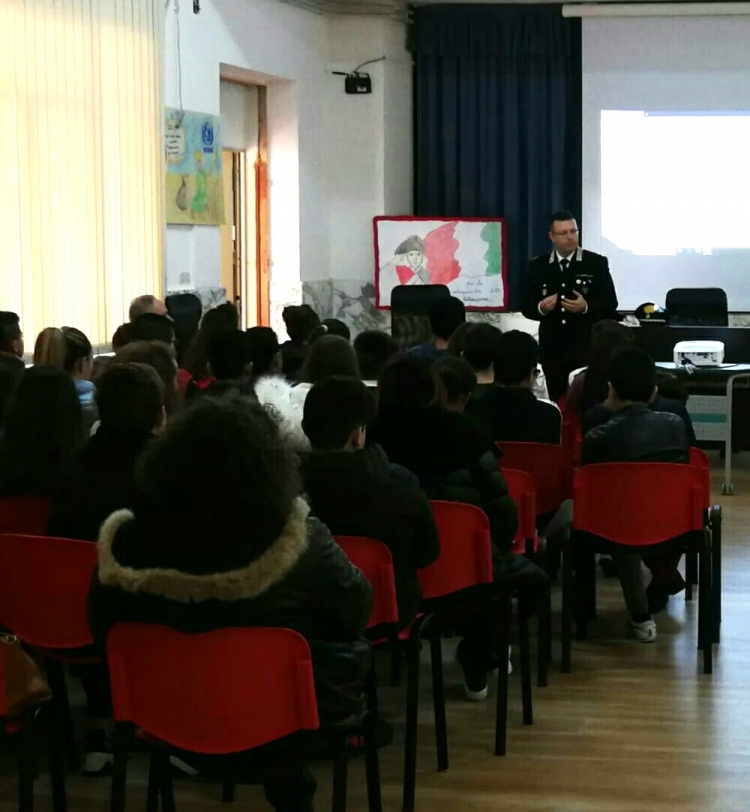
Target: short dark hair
<point x="334" y="408"/>
<point x="130" y="398"/>
<point x="218" y="319"/>
<point x="481" y="343"/>
<point x="374" y="348"/>
<point x="632" y="373"/>
<point x="160" y="357"/>
<point x="407" y="381"/>
<point x="560" y="216"/>
<point x="300" y="321"/>
<point x="221" y="451"/>
<point x="10" y="330"/>
<point x="122" y="336"/>
<point x="446" y="315"/>
<point x="330" y="355"/>
<point x="152" y="327"/>
<point x="607" y="336"/>
<point x="458" y="377"/>
<point x="264" y="347"/>
<point x="336" y="327"/>
<point x="229" y="353"/>
<point x="516" y="358"/>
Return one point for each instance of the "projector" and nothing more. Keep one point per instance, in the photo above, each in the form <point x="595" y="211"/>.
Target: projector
<point x="699" y="353"/>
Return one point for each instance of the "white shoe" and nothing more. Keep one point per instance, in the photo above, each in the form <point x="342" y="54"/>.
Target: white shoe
<point x="643" y="632"/>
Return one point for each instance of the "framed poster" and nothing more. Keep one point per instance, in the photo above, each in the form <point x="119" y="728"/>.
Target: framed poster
<point x="194" y="188"/>
<point x="467" y="254"/>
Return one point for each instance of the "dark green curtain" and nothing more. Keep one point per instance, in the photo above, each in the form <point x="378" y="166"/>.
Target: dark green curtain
<point x="498" y="119"/>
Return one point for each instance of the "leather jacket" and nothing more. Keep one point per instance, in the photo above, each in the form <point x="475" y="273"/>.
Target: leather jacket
<point x="637" y="434"/>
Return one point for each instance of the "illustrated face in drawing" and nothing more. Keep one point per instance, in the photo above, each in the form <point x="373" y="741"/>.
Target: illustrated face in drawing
<point x="415" y="259"/>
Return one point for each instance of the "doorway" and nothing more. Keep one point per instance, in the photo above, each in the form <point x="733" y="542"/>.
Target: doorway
<point x="244" y="235"/>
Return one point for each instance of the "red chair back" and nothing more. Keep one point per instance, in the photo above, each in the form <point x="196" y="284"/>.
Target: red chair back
<point x="465" y="558"/>
<point x="547" y="464"/>
<point x="24" y="514"/>
<point x="374" y="560"/>
<point x="571" y="438"/>
<point x="638" y="504"/>
<point x="699" y="460"/>
<point x="44" y="584"/>
<point x="222" y="691"/>
<point x="523" y="493"/>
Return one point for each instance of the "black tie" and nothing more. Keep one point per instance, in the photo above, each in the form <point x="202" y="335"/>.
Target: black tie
<point x="564" y="264"/>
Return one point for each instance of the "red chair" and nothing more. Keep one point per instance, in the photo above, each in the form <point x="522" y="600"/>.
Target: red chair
<point x="547" y="465"/>
<point x="26" y="726"/>
<point x="572" y="438"/>
<point x="44" y="584"/>
<point x="24" y="514"/>
<point x="527" y="542"/>
<point x="216" y="693"/>
<point x="641" y="508"/>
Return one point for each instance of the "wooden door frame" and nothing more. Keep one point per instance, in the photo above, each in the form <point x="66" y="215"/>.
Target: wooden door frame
<point x="262" y="212"/>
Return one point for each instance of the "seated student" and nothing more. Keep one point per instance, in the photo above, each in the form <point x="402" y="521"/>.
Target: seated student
<point x="161" y="358"/>
<point x="355" y="491"/>
<point x="336" y="327"/>
<point x="70" y="350"/>
<point x="218" y="319"/>
<point x="508" y="409"/>
<point x="329" y="355"/>
<point x="446" y="316"/>
<point x="229" y="359"/>
<point x="458" y="382"/>
<point x="300" y="321"/>
<point x="374" y="348"/>
<point x="635" y="433"/>
<point x="42" y="433"/>
<point x="479" y="349"/>
<point x="152" y="327"/>
<point x="11" y="360"/>
<point x="265" y="352"/>
<point x="259" y="560"/>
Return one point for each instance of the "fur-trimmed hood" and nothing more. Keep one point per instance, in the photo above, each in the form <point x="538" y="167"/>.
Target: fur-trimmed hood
<point x="286" y="404"/>
<point x="247" y="582"/>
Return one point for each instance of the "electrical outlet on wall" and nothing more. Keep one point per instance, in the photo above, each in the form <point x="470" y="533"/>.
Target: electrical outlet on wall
<point x="185" y="278"/>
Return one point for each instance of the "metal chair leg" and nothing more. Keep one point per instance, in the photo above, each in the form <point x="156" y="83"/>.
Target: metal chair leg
<point x="705" y="610"/>
<point x="716" y="570"/>
<point x="56" y="679"/>
<point x="501" y="720"/>
<point x="691" y="574"/>
<point x="227" y="792"/>
<point x="544" y="634"/>
<point x="167" y="790"/>
<point x="395" y="646"/>
<point x="56" y="763"/>
<point x="567" y="605"/>
<point x="372" y="767"/>
<point x="371" y="687"/>
<point x="154" y="782"/>
<point x="438" y="696"/>
<point x="121" y="743"/>
<point x="27" y="763"/>
<point x="412" y="714"/>
<point x="340" y="773"/>
<point x="524" y="648"/>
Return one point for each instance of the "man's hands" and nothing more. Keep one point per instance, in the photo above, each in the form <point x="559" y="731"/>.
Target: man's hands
<point x="549" y="304"/>
<point x="576" y="304"/>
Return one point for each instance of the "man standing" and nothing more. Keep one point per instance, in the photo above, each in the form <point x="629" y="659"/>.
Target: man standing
<point x="567" y="290"/>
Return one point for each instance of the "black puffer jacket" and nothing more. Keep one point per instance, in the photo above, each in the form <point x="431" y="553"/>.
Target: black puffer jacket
<point x="637" y="434"/>
<point x="363" y="494"/>
<point x="452" y="460"/>
<point x="303" y="581"/>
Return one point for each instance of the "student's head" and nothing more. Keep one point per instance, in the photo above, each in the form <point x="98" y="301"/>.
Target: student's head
<point x="42" y="430"/>
<point x="152" y="327"/>
<point x="265" y="353"/>
<point x="330" y="355"/>
<point x="446" y="315"/>
<point x="130" y="399"/>
<point x="516" y="360"/>
<point x="459" y="381"/>
<point x="607" y="337"/>
<point x="161" y="358"/>
<point x="229" y="355"/>
<point x="217" y="320"/>
<point x="481" y="343"/>
<point x="336" y="327"/>
<point x="337" y="413"/>
<point x="146" y="304"/>
<point x="563" y="232"/>
<point x="457" y="343"/>
<point x="300" y="321"/>
<point x="224" y="478"/>
<point x="122" y="336"/>
<point x="632" y="378"/>
<point x="373" y="349"/>
<point x="11" y="337"/>
<point x="407" y="382"/>
<point x="67" y="349"/>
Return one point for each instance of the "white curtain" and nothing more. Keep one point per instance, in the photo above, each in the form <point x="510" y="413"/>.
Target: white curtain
<point x="81" y="167"/>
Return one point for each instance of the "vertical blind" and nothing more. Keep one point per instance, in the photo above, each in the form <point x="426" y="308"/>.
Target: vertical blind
<point x="81" y="200"/>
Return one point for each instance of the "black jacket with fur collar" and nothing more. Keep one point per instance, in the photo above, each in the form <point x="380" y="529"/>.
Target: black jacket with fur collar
<point x="303" y="581"/>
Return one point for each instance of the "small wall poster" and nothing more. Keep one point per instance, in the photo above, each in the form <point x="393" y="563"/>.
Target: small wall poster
<point x="192" y="148"/>
<point x="466" y="254"/>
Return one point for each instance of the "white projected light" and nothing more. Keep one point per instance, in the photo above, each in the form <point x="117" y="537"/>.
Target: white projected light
<point x="674" y="182"/>
<point x="666" y="154"/>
